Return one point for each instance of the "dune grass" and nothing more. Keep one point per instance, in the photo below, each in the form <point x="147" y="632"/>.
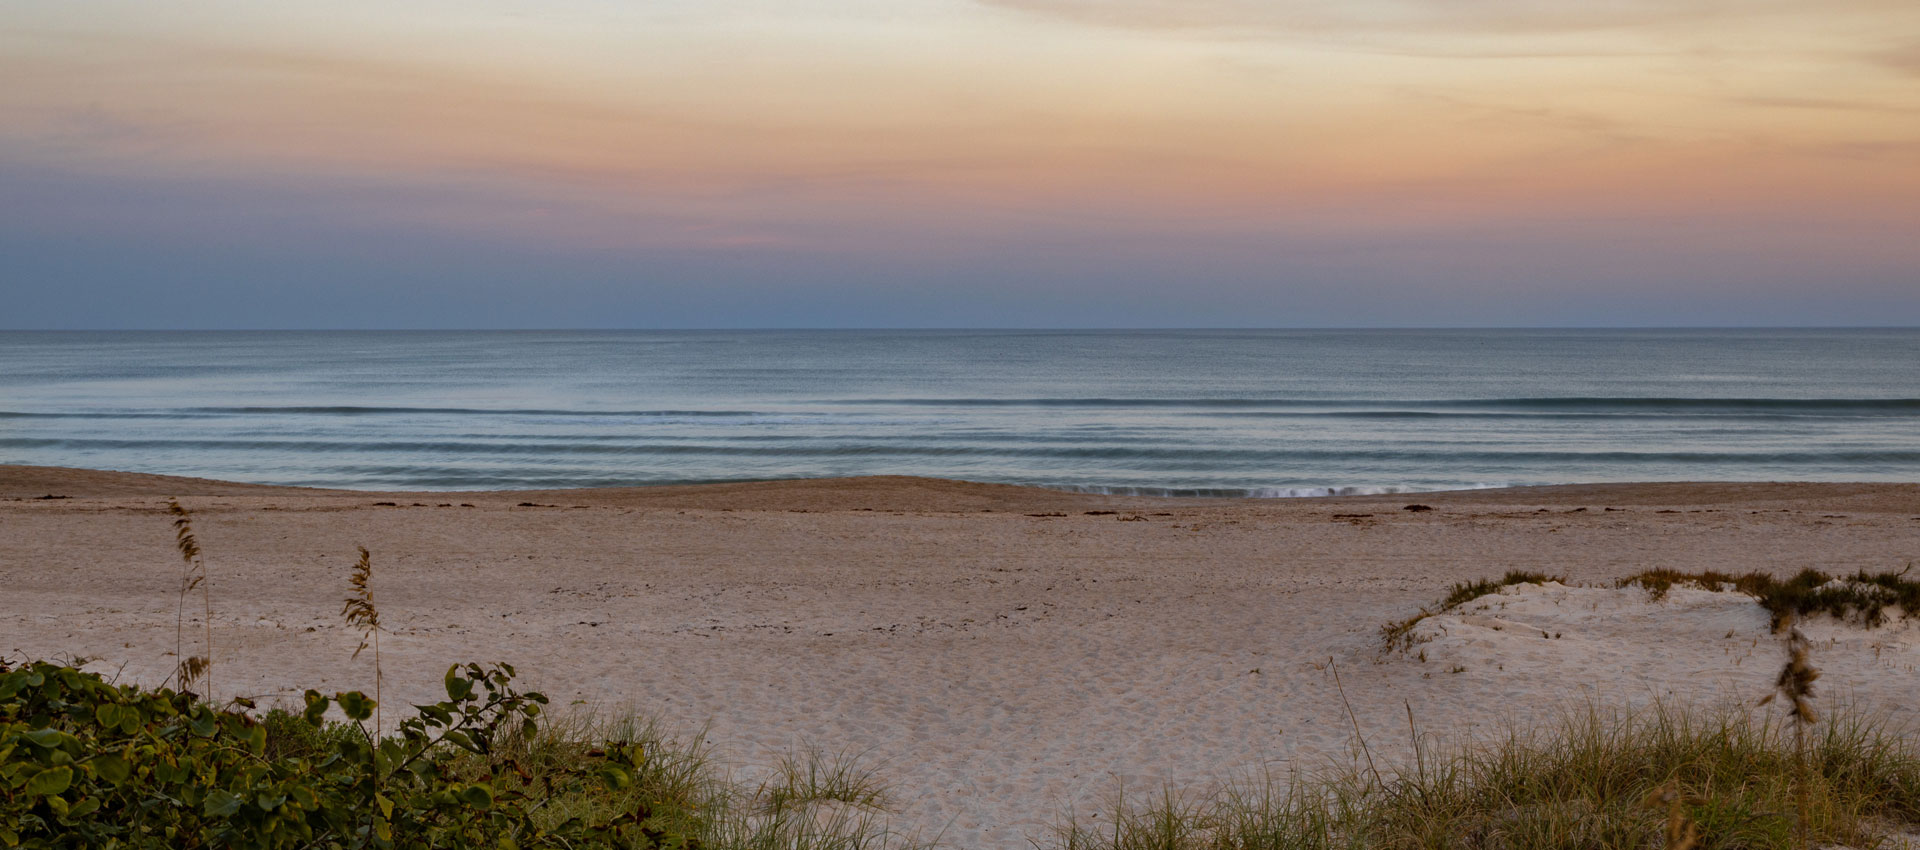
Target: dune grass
<point x="1399" y="634"/>
<point x="1862" y="597"/>
<point x="1598" y="779"/>
<point x="808" y="800"/>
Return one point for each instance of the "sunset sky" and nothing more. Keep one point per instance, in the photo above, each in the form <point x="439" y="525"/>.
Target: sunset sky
<point x="897" y="163"/>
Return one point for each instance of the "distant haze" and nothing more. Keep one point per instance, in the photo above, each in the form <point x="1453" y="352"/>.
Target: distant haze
<point x="970" y="163"/>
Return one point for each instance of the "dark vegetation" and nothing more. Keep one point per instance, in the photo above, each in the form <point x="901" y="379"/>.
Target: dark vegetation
<point x="1661" y="779"/>
<point x="1863" y="597"/>
<point x="88" y="763"/>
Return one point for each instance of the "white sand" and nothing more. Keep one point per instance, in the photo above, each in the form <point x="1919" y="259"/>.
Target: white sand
<point x="999" y="667"/>
<point x="1694" y="644"/>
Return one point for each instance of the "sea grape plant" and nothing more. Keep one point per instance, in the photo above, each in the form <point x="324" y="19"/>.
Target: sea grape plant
<point x="89" y="763"/>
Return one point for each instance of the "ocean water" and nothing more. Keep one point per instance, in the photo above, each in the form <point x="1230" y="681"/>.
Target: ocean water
<point x="1262" y="413"/>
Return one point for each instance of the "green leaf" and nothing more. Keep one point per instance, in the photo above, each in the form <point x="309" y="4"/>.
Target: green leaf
<point x="316" y="707"/>
<point x="458" y="687"/>
<point x="460" y="739"/>
<point x="356" y="705"/>
<point x="478" y="796"/>
<point x="616" y="776"/>
<point x="49" y="782"/>
<point x="83" y="808"/>
<point x="48" y="738"/>
<point x="304" y="797"/>
<point x="202" y="724"/>
<point x="221" y="804"/>
<point x="112" y="768"/>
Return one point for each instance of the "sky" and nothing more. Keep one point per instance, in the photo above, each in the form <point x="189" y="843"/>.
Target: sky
<point x="959" y="163"/>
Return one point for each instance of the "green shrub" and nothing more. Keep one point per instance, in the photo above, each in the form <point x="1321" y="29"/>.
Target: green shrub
<point x="289" y="735"/>
<point x="88" y="763"/>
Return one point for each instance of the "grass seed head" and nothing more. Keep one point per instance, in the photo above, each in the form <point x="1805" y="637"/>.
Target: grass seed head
<point x="1796" y="679"/>
<point x="359" y="610"/>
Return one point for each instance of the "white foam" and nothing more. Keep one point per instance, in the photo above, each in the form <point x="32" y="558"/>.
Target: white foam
<point x="1266" y="492"/>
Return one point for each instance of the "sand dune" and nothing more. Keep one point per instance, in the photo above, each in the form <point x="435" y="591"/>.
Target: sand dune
<point x="1004" y="652"/>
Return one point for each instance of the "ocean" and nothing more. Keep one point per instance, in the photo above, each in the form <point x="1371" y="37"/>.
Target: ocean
<point x="1267" y="413"/>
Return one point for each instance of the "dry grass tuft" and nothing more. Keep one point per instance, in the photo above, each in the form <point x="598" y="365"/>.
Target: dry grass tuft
<point x="814" y="776"/>
<point x="1399" y="635"/>
<point x="1659" y="778"/>
<point x="1863" y="597"/>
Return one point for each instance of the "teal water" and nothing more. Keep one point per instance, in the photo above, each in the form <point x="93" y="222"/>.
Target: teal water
<point x="1263" y="413"/>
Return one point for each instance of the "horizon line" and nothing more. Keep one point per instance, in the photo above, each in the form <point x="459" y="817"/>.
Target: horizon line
<point x="971" y="329"/>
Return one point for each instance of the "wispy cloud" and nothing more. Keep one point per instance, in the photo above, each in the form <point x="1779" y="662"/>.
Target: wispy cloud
<point x="1905" y="59"/>
<point x="1461" y="16"/>
<point x="1825" y="104"/>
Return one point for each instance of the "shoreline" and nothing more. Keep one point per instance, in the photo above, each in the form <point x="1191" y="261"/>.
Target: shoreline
<point x="1003" y="653"/>
<point x="19" y="480"/>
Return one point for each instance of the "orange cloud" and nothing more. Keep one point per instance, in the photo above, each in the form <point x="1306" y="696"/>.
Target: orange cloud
<point x="1435" y="16"/>
<point x="859" y="130"/>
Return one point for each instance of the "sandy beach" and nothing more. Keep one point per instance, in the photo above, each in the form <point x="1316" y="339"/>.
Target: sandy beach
<point x="1003" y="654"/>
